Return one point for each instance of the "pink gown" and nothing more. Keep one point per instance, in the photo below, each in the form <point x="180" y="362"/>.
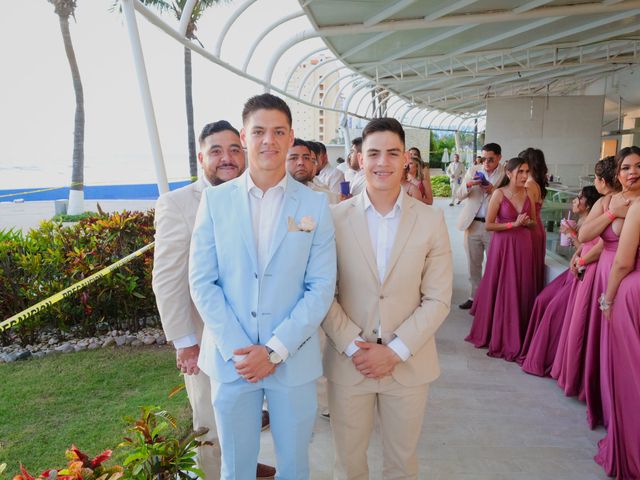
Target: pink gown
<point x="545" y="324"/>
<point x="568" y="364"/>
<point x="619" y="450"/>
<point x="506" y="293"/>
<point x="539" y="239"/>
<point x="596" y="387"/>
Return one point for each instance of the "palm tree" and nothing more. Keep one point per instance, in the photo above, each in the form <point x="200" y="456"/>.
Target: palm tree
<point x="65" y="9"/>
<point x="176" y="7"/>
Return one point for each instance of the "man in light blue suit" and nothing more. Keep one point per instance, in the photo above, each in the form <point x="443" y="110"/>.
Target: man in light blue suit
<point x="262" y="271"/>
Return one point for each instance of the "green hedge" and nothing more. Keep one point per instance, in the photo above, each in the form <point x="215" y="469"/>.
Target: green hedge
<point x="440" y="186"/>
<point x="46" y="260"/>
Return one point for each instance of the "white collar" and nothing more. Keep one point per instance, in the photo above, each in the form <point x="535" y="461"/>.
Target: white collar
<point x="397" y="207"/>
<point x="251" y="185"/>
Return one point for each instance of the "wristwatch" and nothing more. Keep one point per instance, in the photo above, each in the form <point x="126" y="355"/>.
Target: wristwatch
<point x="274" y="357"/>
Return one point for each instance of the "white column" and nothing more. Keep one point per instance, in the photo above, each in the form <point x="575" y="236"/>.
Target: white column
<point x="145" y="94"/>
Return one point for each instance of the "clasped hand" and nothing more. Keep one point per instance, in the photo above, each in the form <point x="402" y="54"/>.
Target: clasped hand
<point x="187" y="360"/>
<point x="256" y="365"/>
<point x="374" y="360"/>
<point x="522" y="220"/>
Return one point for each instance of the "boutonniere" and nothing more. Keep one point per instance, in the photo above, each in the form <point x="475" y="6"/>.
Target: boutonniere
<point x="307" y="224"/>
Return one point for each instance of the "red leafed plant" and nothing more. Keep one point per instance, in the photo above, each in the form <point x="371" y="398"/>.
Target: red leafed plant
<point x="79" y="467"/>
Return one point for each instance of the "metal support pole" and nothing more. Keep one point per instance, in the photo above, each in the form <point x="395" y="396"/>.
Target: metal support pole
<point x="475" y="137"/>
<point x="145" y="95"/>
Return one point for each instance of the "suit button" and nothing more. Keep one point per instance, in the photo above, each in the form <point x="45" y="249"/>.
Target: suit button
<point x="381" y="297"/>
<point x="253" y="314"/>
<point x="374" y="331"/>
<point x="255" y="275"/>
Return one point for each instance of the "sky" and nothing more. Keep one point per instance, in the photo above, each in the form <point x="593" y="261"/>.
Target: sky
<point x="37" y="101"/>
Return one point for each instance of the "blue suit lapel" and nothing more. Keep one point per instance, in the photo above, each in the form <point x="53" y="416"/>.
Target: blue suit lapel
<point x="289" y="209"/>
<point x="241" y="199"/>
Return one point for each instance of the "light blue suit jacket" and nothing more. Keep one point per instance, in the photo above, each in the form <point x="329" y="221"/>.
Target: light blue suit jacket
<point x="241" y="307"/>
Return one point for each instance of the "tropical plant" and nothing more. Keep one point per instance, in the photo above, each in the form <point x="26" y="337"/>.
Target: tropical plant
<point x="440" y="186"/>
<point x="176" y="7"/>
<point x="155" y="449"/>
<point x="79" y="467"/>
<point x="49" y="259"/>
<point x="65" y="9"/>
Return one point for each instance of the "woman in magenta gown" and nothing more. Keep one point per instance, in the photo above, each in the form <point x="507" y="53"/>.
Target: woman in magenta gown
<point x="505" y="296"/>
<point x="568" y="365"/>
<point x="619" y="450"/>
<point x="605" y="219"/>
<point x="537" y="185"/>
<point x="551" y="305"/>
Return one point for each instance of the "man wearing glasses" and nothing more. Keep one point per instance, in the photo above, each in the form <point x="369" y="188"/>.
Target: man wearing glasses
<point x="476" y="188"/>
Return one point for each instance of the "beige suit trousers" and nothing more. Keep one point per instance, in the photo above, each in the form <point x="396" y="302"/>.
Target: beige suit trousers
<point x="476" y="243"/>
<point x="199" y="393"/>
<point x="400" y="411"/>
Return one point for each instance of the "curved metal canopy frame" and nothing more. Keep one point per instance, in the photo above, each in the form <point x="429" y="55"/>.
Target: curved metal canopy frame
<point x="346" y="76"/>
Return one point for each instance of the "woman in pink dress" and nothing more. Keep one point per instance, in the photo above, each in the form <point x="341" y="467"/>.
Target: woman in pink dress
<point x="605" y="219"/>
<point x="619" y="450"/>
<point x="537" y="184"/>
<point x="568" y="365"/>
<point x="505" y="296"/>
<point x="546" y="322"/>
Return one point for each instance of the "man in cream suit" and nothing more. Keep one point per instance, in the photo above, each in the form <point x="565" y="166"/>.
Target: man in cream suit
<point x="394" y="292"/>
<point x="262" y="271"/>
<point x="455" y="172"/>
<point x="221" y="158"/>
<point x="477" y="186"/>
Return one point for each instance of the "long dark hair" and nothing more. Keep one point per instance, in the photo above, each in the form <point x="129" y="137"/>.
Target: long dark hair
<point x="590" y="195"/>
<point x="538" y="166"/>
<point x="512" y="164"/>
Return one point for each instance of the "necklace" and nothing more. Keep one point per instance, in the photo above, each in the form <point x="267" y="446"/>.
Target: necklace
<point x="510" y="194"/>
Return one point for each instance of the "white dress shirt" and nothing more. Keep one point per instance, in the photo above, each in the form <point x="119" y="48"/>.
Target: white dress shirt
<point x="358" y="183"/>
<point x="265" y="208"/>
<point x="331" y="177"/>
<point x="382" y="233"/>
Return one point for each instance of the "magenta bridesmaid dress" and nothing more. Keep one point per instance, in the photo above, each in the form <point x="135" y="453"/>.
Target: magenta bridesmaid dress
<point x="506" y="293"/>
<point x="539" y="239"/>
<point x="596" y="387"/>
<point x="568" y="364"/>
<point x="619" y="450"/>
<point x="545" y="324"/>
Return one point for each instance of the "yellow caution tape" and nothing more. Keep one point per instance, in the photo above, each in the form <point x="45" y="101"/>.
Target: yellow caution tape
<point x="55" y="298"/>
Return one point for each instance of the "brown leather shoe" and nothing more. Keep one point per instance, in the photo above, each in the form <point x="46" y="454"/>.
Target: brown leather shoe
<point x="265" y="420"/>
<point x="265" y="471"/>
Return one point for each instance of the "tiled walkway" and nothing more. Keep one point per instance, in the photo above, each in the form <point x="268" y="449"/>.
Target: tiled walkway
<point x="486" y="419"/>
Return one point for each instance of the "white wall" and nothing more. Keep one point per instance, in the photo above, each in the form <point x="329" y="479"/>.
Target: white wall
<point x="567" y="129"/>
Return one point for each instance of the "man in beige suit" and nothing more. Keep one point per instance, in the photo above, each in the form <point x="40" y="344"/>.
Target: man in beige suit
<point x="477" y="187"/>
<point x="222" y="158"/>
<point x="394" y="292"/>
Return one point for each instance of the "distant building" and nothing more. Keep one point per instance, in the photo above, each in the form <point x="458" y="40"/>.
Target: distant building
<point x="314" y="123"/>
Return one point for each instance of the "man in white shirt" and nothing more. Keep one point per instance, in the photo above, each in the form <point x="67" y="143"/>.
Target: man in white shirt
<point x="455" y="172"/>
<point x="327" y="173"/>
<point x="358" y="181"/>
<point x="302" y="169"/>
<point x="394" y="291"/>
<point x="221" y="158"/>
<point x="353" y="167"/>
<point x="262" y="272"/>
<point x="477" y="187"/>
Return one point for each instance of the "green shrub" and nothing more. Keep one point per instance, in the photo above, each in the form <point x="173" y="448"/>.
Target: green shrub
<point x="440" y="186"/>
<point x="53" y="257"/>
<point x="63" y="217"/>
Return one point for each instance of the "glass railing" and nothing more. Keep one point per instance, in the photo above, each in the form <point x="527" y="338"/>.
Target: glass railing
<point x="555" y="207"/>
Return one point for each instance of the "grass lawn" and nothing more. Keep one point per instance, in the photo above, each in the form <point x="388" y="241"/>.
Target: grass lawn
<point x="49" y="403"/>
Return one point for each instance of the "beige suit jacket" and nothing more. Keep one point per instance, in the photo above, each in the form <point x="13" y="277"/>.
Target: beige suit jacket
<point x="473" y="196"/>
<point x="174" y="220"/>
<point x="411" y="302"/>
